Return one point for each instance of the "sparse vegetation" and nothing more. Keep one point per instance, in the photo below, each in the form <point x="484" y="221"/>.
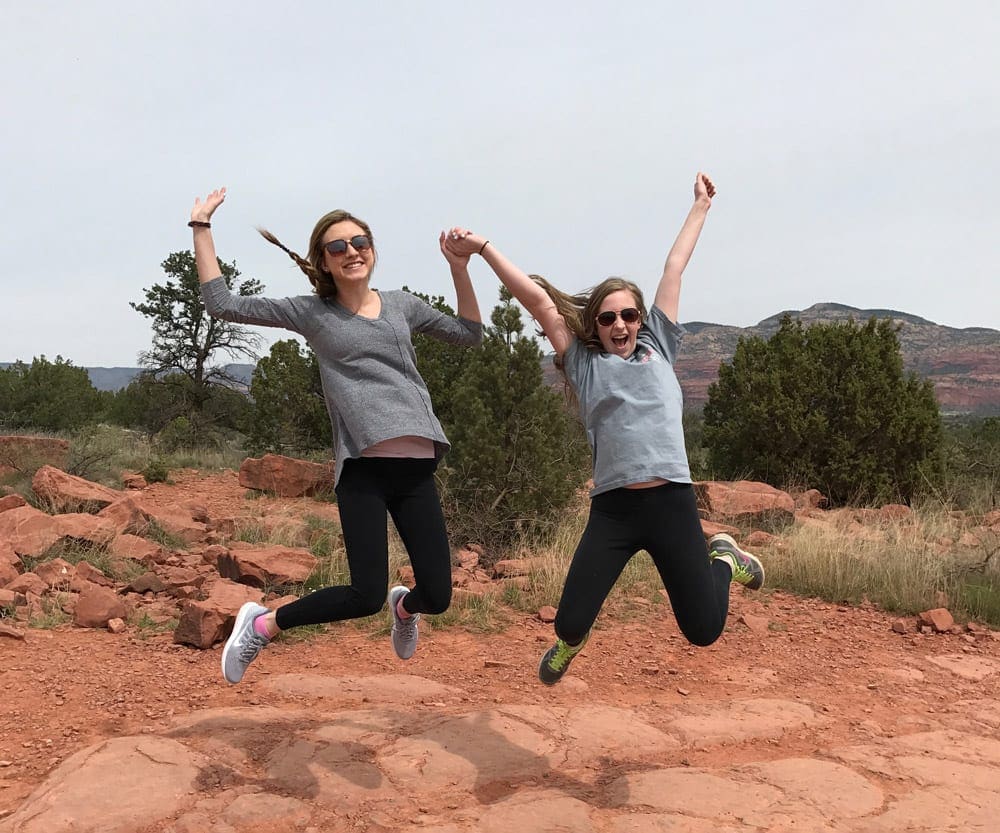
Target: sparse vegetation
<point x="73" y="552"/>
<point x="51" y="613"/>
<point x="156" y="471"/>
<point x="479" y="614"/>
<point x="147" y="626"/>
<point x="155" y="532"/>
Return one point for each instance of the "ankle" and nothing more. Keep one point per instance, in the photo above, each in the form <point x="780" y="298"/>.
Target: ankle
<point x="266" y="626"/>
<point x="728" y="559"/>
<point x="401" y="611"/>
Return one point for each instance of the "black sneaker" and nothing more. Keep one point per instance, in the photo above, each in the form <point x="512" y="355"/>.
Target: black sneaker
<point x="557" y="659"/>
<point x="747" y="569"/>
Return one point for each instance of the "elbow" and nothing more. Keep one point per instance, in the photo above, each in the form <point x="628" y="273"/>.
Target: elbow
<point x="473" y="333"/>
<point x="214" y="310"/>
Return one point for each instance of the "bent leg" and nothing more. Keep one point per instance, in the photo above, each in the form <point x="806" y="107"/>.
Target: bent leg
<point x="416" y="512"/>
<point x="698" y="587"/>
<point x="363" y="519"/>
<point x="604" y="549"/>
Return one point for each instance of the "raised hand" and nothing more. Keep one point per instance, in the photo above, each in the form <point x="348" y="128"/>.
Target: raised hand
<point x="462" y="242"/>
<point x="454" y="258"/>
<point x="704" y="188"/>
<point x="203" y="211"/>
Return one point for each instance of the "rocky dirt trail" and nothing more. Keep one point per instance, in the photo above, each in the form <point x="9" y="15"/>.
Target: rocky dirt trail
<point x="819" y="719"/>
<point x="804" y="717"/>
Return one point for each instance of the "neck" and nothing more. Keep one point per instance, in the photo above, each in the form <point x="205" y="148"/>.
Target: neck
<point x="352" y="295"/>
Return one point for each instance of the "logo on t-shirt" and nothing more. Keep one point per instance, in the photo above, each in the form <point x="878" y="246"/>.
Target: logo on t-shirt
<point x="644" y="354"/>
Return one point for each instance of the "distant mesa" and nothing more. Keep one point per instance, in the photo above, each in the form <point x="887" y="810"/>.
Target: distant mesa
<point x="963" y="364"/>
<point x="116" y="378"/>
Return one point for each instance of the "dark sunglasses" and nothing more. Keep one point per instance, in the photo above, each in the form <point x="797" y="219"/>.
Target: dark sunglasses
<point x="629" y="315"/>
<point x="338" y="247"/>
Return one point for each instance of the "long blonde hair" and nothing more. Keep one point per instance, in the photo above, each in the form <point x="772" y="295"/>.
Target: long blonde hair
<point x="323" y="284"/>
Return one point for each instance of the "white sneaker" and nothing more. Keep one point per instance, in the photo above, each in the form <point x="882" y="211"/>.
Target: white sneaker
<point x="244" y="644"/>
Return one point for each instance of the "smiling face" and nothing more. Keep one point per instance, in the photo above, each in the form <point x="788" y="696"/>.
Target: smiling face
<point x="618" y="338"/>
<point x="352" y="265"/>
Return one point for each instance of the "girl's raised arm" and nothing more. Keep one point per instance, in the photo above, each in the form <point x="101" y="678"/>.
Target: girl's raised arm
<point x="204" y="246"/>
<point x="468" y="307"/>
<point x="535" y="300"/>
<point x="668" y="293"/>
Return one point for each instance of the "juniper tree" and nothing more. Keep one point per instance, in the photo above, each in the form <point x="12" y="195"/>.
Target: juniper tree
<point x="518" y="455"/>
<point x="288" y="414"/>
<point x="54" y="396"/>
<point x="826" y="406"/>
<point x="186" y="339"/>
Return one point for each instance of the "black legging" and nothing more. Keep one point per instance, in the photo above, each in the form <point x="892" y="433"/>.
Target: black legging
<point x="664" y="521"/>
<point x="367" y="488"/>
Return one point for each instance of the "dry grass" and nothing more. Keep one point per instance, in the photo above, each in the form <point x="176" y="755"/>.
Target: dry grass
<point x="903" y="566"/>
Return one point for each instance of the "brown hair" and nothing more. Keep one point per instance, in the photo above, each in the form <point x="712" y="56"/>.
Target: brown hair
<point x="322" y="283"/>
<point x="580" y="314"/>
<point x="580" y="311"/>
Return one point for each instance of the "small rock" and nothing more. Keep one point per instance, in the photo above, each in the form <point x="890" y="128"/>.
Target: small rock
<point x="940" y="619"/>
<point x="10" y="631"/>
<point x="547" y="613"/>
<point x="757" y="624"/>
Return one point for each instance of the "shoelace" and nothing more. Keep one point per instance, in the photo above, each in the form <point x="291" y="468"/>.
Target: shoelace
<point x="742" y="571"/>
<point x="564" y="653"/>
<point x="406" y="627"/>
<point x="253" y="646"/>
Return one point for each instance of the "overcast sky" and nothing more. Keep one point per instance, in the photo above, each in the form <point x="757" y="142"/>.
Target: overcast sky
<point x="854" y="147"/>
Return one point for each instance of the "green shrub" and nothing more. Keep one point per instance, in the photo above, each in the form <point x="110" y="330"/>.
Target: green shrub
<point x="828" y="406"/>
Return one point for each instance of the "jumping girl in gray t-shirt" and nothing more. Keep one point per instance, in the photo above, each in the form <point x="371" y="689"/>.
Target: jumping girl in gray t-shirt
<point x="387" y="440"/>
<point x="618" y="359"/>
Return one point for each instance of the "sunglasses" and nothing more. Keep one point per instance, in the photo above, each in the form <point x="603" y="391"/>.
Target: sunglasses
<point x="338" y="247"/>
<point x="629" y="315"/>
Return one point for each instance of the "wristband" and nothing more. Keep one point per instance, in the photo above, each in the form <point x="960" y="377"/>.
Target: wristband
<point x="481" y="248"/>
<point x="199" y="224"/>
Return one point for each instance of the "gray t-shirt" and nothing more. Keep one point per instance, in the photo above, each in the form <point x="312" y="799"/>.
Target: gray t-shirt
<point x="632" y="407"/>
<point x="367" y="365"/>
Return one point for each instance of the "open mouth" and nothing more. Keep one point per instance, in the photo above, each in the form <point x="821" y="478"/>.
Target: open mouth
<point x="620" y="341"/>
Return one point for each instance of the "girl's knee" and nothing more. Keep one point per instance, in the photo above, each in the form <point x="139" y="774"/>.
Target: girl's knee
<point x="572" y="632"/>
<point x="702" y="638"/>
<point x="368" y="602"/>
<point x="435" y="601"/>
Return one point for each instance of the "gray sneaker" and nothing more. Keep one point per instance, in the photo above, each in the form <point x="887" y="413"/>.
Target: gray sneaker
<point x="243" y="644"/>
<point x="404" y="631"/>
<point x="747" y="569"/>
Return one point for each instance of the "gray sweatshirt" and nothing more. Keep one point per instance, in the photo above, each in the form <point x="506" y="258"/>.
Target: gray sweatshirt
<point x="367" y="366"/>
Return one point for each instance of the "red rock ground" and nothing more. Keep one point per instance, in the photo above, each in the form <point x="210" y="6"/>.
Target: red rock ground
<point x="69" y="688"/>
